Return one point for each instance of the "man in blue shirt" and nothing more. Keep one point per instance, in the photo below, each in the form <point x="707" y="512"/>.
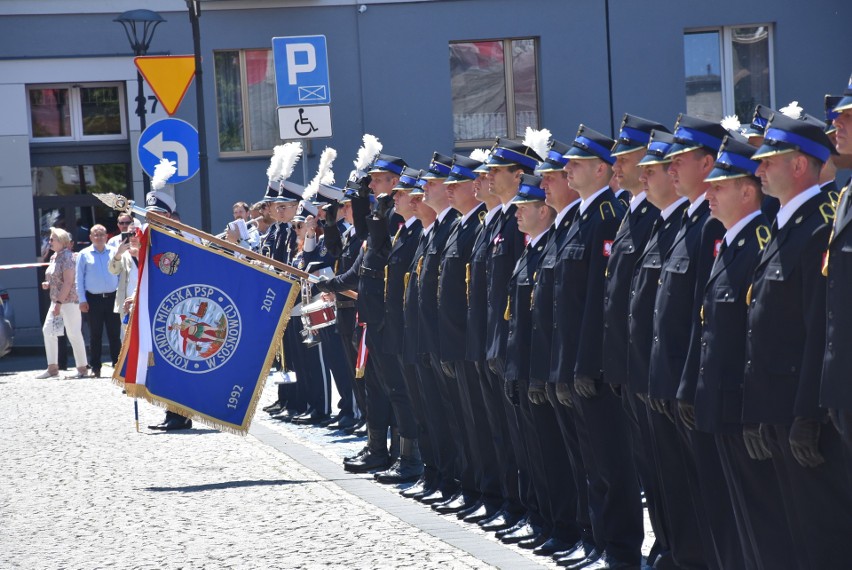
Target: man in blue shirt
<point x="96" y="288"/>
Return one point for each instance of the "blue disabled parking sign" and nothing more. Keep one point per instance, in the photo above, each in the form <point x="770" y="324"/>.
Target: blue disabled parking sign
<point x="174" y="140"/>
<point x="301" y="70"/>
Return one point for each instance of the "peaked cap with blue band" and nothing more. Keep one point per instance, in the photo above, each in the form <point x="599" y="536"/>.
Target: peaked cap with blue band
<point x="463" y="169"/>
<point x="408" y="179"/>
<point x="555" y="159"/>
<point x="733" y="161"/>
<point x="530" y="190"/>
<point x="635" y="133"/>
<point x="590" y="144"/>
<point x="691" y="133"/>
<point x="846" y="101"/>
<point x="419" y="185"/>
<point x="805" y="135"/>
<point x="350" y="191"/>
<point x="439" y="167"/>
<point x="507" y="152"/>
<point x="758" y="121"/>
<point x="831" y="103"/>
<point x="658" y="148"/>
<point x="387" y="163"/>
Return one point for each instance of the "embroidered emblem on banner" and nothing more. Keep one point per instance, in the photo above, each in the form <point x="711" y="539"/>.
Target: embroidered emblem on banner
<point x="197" y="328"/>
<point x="167" y="262"/>
<point x="607" y="247"/>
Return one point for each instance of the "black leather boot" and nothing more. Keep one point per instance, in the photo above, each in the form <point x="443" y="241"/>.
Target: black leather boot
<point x="394" y="444"/>
<point x="408" y="467"/>
<point x="377" y="454"/>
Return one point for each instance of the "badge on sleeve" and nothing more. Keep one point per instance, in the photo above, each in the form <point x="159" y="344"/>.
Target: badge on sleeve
<point x="607" y="247"/>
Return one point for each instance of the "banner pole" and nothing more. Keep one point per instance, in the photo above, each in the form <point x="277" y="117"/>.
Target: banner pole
<point x="136" y="413"/>
<point x="122" y="204"/>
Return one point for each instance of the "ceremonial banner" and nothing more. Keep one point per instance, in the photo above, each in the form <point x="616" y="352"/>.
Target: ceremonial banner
<point x="204" y="330"/>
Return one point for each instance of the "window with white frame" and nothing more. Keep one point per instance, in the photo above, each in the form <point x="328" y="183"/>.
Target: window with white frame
<point x="79" y="112"/>
<point x="245" y="101"/>
<point x="729" y="71"/>
<point x="494" y="88"/>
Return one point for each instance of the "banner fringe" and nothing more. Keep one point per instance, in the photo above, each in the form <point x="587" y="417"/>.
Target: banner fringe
<point x="134" y="390"/>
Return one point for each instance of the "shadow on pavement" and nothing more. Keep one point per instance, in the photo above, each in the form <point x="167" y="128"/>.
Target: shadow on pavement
<point x="225" y="485"/>
<point x="182" y="432"/>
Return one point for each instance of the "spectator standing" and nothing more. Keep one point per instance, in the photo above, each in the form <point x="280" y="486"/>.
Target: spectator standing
<point x="96" y="288"/>
<point x="59" y="279"/>
<point x="124" y="263"/>
<point x="125" y="224"/>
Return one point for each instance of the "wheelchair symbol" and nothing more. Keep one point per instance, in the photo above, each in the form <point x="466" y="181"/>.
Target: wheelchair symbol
<point x="304" y="121"/>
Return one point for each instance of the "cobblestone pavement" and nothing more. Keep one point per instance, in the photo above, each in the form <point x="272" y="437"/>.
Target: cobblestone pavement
<point x="80" y="488"/>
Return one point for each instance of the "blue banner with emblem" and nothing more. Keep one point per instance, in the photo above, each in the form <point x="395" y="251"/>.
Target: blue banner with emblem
<point x="205" y="330"/>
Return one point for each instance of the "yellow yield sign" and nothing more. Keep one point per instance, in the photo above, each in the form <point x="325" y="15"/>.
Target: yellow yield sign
<point x="169" y="77"/>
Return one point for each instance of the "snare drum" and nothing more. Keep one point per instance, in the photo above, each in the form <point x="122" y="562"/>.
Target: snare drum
<point x="319" y="314"/>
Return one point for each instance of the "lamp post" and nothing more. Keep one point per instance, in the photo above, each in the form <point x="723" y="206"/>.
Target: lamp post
<point x="139" y="25"/>
<point x="194" y="7"/>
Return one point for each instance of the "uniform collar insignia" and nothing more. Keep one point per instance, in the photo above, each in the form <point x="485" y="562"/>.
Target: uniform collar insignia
<point x="741" y="243"/>
<point x="799" y="219"/>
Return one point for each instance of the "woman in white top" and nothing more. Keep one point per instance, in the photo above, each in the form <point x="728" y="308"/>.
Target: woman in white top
<point x="64" y="305"/>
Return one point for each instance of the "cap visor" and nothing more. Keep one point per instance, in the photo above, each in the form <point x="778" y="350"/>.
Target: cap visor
<point x="722" y="174"/>
<point x="625" y="149"/>
<point x="766" y="151"/>
<point x="680" y="148"/>
<point x="649" y="160"/>
<point x="843" y="104"/>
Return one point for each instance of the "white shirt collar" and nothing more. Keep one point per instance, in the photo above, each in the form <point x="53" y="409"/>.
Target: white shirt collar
<point x="493" y="212"/>
<point x="637" y="200"/>
<point x="672" y="207"/>
<point x="506" y="206"/>
<point x="561" y="215"/>
<point x="735" y="230"/>
<point x="443" y="214"/>
<point x="427" y="229"/>
<point x="410" y="221"/>
<point x="537" y="238"/>
<point x="694" y="205"/>
<point x="584" y="205"/>
<point x="789" y="209"/>
<point x="467" y="216"/>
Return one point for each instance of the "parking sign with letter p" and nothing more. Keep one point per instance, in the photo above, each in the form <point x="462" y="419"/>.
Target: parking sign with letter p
<point x="301" y="70"/>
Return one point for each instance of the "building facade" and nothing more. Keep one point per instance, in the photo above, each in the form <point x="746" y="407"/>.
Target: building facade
<point x="427" y="75"/>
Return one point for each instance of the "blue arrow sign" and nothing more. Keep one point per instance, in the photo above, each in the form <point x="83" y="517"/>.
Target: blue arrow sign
<point x="172" y="139"/>
<point x="301" y="70"/>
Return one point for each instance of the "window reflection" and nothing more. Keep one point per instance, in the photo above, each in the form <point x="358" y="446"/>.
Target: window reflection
<point x="490" y="98"/>
<point x="101" y="108"/>
<point x="751" y="69"/>
<point x="703" y="75"/>
<point x="50" y="112"/>
<point x="478" y="83"/>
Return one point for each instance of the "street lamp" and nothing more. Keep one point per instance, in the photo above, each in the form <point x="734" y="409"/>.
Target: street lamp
<point x="194" y="8"/>
<point x="139" y="25"/>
